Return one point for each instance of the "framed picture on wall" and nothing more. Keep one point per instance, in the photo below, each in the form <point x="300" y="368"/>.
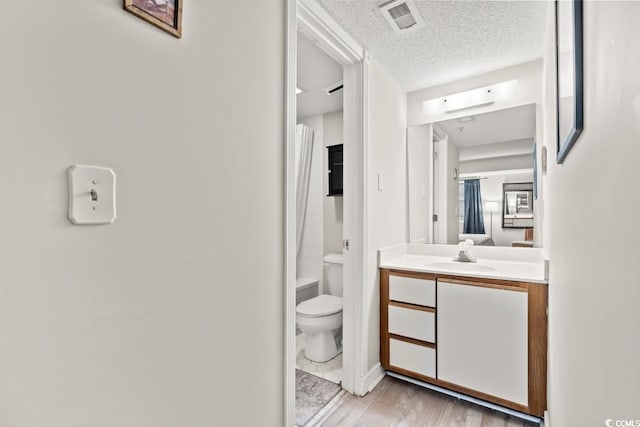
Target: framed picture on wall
<point x="569" y="74"/>
<point x="164" y="14"/>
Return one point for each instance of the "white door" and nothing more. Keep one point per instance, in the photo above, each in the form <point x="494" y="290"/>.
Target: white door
<point x="418" y="181"/>
<point x="482" y="339"/>
<point x="437" y="232"/>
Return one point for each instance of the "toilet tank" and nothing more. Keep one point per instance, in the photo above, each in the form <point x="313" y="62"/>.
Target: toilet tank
<point x="333" y="273"/>
<point x="306" y="288"/>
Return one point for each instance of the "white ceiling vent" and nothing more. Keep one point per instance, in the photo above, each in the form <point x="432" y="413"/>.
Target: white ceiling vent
<point x="402" y="15"/>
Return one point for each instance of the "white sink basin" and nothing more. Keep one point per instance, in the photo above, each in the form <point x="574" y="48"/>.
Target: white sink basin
<point x="460" y="266"/>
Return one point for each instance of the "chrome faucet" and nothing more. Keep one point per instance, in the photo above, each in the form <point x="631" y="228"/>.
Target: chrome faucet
<point x="463" y="252"/>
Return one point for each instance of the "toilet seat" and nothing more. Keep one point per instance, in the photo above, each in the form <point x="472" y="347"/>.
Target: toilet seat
<point x="323" y="305"/>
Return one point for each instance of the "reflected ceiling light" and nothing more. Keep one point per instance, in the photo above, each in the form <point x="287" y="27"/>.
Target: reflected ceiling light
<point x="472" y="98"/>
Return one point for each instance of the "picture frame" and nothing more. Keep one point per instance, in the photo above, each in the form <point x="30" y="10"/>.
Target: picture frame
<point x="569" y="75"/>
<point x="164" y="14"/>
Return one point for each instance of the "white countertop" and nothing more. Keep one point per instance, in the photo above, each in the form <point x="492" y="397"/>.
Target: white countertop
<point x="502" y="263"/>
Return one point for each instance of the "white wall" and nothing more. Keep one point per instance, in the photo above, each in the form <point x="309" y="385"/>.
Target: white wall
<point x="386" y="209"/>
<point x="529" y="91"/>
<point x="333" y="206"/>
<point x="152" y="321"/>
<point x="309" y="259"/>
<point x="497" y="149"/>
<point x="497" y="164"/>
<point x="594" y="287"/>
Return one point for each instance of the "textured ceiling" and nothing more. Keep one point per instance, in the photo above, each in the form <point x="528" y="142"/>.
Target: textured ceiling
<point x="316" y="71"/>
<point x="460" y="38"/>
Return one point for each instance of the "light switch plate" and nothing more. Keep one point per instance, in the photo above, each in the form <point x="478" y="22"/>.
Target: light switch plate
<point x="92" y="195"/>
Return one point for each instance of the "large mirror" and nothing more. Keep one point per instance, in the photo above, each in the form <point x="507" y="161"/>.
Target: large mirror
<point x="472" y="177"/>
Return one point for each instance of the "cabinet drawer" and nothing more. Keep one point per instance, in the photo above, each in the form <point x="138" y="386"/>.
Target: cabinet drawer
<point x="412" y="357"/>
<point x="412" y="290"/>
<point x="418" y="324"/>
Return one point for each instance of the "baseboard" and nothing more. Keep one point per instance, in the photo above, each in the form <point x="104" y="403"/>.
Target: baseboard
<point x="373" y="377"/>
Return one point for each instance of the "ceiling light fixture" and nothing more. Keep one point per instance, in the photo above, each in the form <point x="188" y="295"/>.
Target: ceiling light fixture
<point x="472" y="98"/>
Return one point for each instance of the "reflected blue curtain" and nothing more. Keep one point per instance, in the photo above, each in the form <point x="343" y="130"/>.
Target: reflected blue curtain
<point x="473" y="217"/>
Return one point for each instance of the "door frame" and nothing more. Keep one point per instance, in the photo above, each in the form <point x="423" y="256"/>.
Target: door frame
<point x="308" y="17"/>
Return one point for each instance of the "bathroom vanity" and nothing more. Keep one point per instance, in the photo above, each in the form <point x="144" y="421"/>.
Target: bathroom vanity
<point x="479" y="329"/>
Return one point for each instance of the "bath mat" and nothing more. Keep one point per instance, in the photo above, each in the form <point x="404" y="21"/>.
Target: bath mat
<point x="312" y="394"/>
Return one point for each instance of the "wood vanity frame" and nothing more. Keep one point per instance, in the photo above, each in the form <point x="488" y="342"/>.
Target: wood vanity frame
<point x="537" y="336"/>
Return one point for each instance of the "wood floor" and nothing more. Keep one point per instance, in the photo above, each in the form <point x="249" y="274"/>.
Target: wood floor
<point x="397" y="403"/>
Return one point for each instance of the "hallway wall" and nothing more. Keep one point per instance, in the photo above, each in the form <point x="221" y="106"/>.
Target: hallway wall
<point x="152" y="321"/>
<point x="593" y="283"/>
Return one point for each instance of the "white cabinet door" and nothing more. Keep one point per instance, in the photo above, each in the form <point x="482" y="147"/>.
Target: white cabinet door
<point x="482" y="339"/>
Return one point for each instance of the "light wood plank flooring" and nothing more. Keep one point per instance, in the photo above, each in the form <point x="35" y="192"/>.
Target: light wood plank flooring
<point x="397" y="403"/>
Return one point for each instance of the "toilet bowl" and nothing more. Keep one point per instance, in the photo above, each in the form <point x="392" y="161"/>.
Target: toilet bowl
<point x="318" y="318"/>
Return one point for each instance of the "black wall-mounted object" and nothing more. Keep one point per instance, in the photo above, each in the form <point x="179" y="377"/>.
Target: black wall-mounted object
<point x="335" y="170"/>
<point x="569" y="75"/>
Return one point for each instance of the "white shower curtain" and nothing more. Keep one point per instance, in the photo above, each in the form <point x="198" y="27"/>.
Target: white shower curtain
<point x="304" y="149"/>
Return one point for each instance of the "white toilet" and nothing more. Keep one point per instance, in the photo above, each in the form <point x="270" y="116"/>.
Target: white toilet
<point x="319" y="317"/>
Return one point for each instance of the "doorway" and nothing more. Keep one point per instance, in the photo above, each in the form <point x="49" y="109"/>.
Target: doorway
<point x="307" y="17"/>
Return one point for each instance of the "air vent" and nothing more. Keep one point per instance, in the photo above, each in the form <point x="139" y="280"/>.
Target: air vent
<point x="402" y="15"/>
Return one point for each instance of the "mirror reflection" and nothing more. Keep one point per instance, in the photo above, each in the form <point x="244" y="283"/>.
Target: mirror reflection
<point x="518" y="205"/>
<point x="472" y="177"/>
